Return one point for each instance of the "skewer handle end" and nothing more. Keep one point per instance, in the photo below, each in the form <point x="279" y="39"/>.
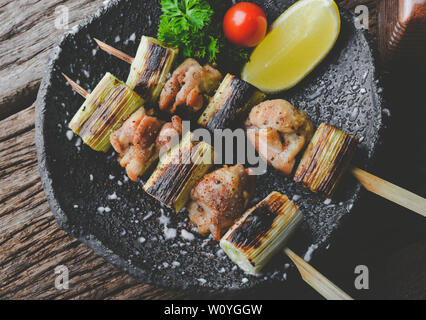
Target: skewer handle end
<point x="390" y="191"/>
<point x="316" y="280"/>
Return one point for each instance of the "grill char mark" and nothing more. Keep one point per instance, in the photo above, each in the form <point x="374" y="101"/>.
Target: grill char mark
<point x="254" y="228"/>
<point x="238" y="93"/>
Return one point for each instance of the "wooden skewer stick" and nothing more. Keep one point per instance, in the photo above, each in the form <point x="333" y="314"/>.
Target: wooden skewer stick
<point x="391" y="192"/>
<point x="76" y="87"/>
<point x="115" y="52"/>
<point x="316" y="280"/>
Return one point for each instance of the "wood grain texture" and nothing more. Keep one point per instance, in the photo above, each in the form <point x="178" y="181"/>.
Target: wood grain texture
<point x="27" y="33"/>
<point x="32" y="244"/>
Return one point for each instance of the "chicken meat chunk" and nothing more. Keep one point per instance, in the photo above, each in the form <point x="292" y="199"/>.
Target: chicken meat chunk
<point x="169" y="135"/>
<point x="279" y="132"/>
<point x="220" y="198"/>
<point x="188" y="85"/>
<point x="140" y="139"/>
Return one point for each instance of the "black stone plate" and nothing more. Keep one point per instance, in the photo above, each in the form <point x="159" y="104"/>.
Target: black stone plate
<point x="80" y="183"/>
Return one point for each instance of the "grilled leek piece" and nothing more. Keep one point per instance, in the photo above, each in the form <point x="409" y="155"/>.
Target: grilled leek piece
<point x="150" y="67"/>
<point x="233" y="100"/>
<point x="261" y="232"/>
<point x="104" y="111"/>
<point x="327" y="156"/>
<point x="178" y="171"/>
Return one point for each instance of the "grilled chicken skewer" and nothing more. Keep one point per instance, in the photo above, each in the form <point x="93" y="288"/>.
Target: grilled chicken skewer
<point x="279" y="132"/>
<point x="187" y="85"/>
<point x="141" y="138"/>
<point x="149" y="69"/>
<point x="372" y="183"/>
<point x="244" y="252"/>
<point x="262" y="231"/>
<point x="327" y="157"/>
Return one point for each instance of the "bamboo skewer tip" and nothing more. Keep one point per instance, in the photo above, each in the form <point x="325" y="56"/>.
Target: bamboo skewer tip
<point x="77" y="88"/>
<point x="115" y="52"/>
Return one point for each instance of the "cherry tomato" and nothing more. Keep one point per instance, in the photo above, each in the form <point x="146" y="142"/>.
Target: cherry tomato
<point x="245" y="24"/>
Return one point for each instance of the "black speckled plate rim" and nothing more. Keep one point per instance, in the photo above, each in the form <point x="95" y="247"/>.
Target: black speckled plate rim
<point x="97" y="246"/>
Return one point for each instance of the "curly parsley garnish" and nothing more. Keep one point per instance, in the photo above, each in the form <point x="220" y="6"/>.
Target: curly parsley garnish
<point x="195" y="27"/>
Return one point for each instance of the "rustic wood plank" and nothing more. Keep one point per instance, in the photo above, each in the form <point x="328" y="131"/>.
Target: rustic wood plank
<point x="32" y="244"/>
<point x="27" y="33"/>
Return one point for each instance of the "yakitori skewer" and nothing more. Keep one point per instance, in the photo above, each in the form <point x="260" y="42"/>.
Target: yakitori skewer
<point x="333" y="148"/>
<point x="262" y="231"/>
<point x="149" y="68"/>
<point x="316" y="280"/>
<point x="279" y="132"/>
<point x="252" y="247"/>
<point x="328" y="155"/>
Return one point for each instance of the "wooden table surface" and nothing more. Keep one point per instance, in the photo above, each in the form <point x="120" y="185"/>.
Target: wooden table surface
<point x="389" y="240"/>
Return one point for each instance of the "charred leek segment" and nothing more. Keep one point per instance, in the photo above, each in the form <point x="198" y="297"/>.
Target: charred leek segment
<point x="327" y="156"/>
<point x="178" y="171"/>
<point x="233" y="99"/>
<point x="150" y="67"/>
<point x="261" y="232"/>
<point x="104" y="111"/>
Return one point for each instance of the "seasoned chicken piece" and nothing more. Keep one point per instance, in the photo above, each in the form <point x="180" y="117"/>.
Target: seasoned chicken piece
<point x="135" y="142"/>
<point x="220" y="198"/>
<point x="187" y="85"/>
<point x="140" y="139"/>
<point x="169" y="135"/>
<point x="279" y="132"/>
<point x="122" y="138"/>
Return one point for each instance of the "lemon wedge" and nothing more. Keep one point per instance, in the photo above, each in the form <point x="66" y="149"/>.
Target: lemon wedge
<point x="298" y="41"/>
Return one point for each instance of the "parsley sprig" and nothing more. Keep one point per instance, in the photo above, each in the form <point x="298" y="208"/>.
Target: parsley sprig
<point x="195" y="27"/>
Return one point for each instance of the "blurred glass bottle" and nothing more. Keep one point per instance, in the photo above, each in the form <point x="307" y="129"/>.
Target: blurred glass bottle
<point x="402" y="33"/>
